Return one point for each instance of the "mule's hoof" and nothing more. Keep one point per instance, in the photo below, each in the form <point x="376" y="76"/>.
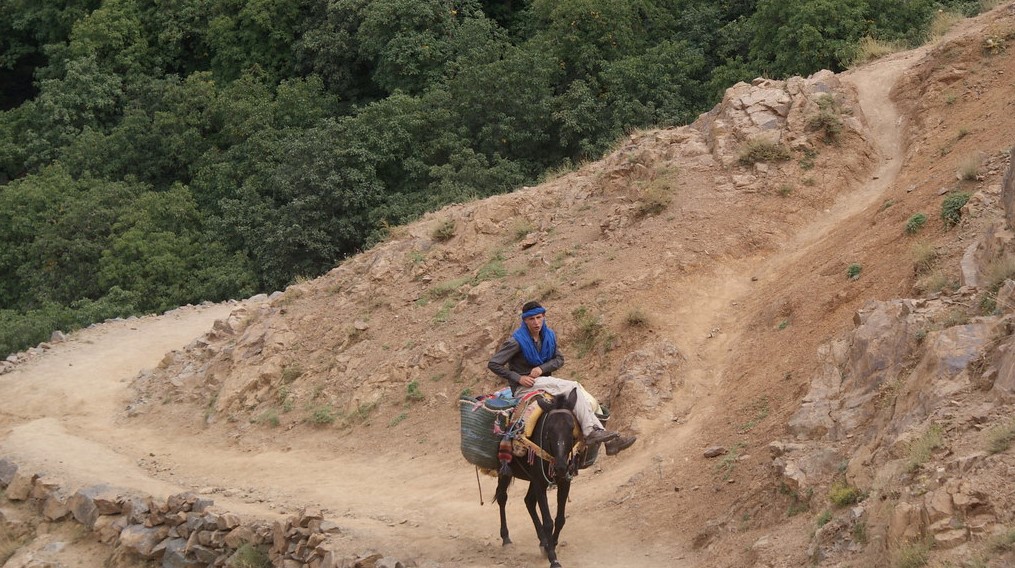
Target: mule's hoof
<point x="556" y="564"/>
<point x="506" y="542"/>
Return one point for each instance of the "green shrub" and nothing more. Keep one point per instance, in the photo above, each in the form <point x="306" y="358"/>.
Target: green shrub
<point x="1003" y="542"/>
<point x="824" y="517"/>
<point x="636" y="318"/>
<point x="853" y="271"/>
<point x="809" y="159"/>
<point x="993" y="44"/>
<point x="521" y="230"/>
<point x="248" y="556"/>
<point x="653" y="200"/>
<point x="798" y="503"/>
<point x="22" y="329"/>
<point x="323" y="415"/>
<point x="269" y="417"/>
<point x="361" y="413"/>
<point x="492" y="270"/>
<point x="728" y="463"/>
<point x="445" y="231"/>
<point x="397" y="420"/>
<point x="444" y="313"/>
<point x="951" y="207"/>
<point x="447" y="289"/>
<point x="937" y="281"/>
<point x="291" y="372"/>
<point x="412" y="392"/>
<point x="761" y="150"/>
<point x="913" y="555"/>
<point x="590" y="331"/>
<point x="842" y="494"/>
<point x="999" y="438"/>
<point x="860" y="532"/>
<point x="921" y="449"/>
<point x="915" y="223"/>
<point x="827" y="122"/>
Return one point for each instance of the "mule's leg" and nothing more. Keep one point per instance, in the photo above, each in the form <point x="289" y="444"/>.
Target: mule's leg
<point x="531" y="502"/>
<point x="546" y="538"/>
<point x="563" y="490"/>
<point x="503" y="482"/>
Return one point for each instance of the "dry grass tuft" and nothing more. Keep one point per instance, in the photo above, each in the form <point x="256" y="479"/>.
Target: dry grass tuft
<point x="943" y="22"/>
<point x="999" y="438"/>
<point x="999" y="270"/>
<point x="8" y="544"/>
<point x="870" y="49"/>
<point x="924" y="257"/>
<point x="760" y="150"/>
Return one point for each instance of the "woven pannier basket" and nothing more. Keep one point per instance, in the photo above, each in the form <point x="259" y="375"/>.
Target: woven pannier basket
<point x="479" y="443"/>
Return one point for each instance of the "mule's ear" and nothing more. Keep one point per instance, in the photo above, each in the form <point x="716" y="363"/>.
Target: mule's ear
<point x="572" y="399"/>
<point x="546" y="404"/>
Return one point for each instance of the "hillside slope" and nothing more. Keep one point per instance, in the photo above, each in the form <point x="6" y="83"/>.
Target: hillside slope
<point x="703" y="297"/>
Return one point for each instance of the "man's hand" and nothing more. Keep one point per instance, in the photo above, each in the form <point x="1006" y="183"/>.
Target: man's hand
<point x="536" y="372"/>
<point x="526" y="380"/>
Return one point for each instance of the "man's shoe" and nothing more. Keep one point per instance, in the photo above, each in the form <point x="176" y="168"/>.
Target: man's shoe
<point x="616" y="445"/>
<point x="599" y="435"/>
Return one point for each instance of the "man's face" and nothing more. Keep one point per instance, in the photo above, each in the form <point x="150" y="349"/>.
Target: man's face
<point x="534" y="323"/>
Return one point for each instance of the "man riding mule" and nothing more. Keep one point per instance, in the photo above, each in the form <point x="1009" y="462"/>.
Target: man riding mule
<point x="553" y="462"/>
<point x="528" y="358"/>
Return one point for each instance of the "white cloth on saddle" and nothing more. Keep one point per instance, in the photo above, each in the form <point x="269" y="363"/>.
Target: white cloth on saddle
<point x="584" y="410"/>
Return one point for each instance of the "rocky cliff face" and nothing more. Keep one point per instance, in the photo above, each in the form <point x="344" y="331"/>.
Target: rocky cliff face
<point x="910" y="409"/>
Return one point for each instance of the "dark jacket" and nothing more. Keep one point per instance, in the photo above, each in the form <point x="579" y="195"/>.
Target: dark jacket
<point x="509" y="363"/>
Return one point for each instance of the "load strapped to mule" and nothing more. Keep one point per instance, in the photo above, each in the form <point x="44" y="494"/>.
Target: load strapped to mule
<point x="498" y="426"/>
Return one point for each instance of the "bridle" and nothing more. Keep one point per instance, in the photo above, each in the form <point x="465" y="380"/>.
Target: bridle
<point x="549" y="460"/>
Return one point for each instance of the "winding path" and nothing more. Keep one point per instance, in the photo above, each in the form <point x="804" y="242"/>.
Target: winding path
<point x="58" y="413"/>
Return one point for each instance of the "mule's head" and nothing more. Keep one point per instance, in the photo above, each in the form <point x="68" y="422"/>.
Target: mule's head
<point x="559" y="424"/>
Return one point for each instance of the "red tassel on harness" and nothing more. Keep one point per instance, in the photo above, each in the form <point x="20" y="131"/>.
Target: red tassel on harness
<point x="504" y="455"/>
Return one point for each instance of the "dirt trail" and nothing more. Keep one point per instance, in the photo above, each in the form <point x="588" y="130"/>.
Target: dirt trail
<point x="59" y="412"/>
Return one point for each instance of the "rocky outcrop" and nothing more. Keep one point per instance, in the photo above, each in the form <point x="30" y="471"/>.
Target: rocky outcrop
<point x="647" y="378"/>
<point x="883" y="404"/>
<point x="1008" y="191"/>
<point x="771" y="110"/>
<point x="185" y="530"/>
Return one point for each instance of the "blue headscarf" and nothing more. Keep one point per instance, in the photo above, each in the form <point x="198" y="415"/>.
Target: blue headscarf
<point x="547" y="338"/>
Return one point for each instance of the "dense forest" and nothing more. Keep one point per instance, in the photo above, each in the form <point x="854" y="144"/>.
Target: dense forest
<point x="155" y="153"/>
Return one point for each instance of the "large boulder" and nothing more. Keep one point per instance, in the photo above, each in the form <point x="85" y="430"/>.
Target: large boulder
<point x="88" y="503"/>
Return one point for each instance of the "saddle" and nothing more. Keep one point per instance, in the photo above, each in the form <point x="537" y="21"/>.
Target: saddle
<point x="521" y="420"/>
<point x="523" y="423"/>
<point x="498" y="427"/>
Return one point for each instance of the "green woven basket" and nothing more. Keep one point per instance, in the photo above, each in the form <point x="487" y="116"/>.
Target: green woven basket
<point x="479" y="443"/>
